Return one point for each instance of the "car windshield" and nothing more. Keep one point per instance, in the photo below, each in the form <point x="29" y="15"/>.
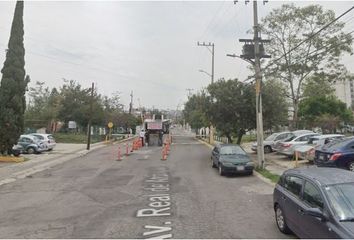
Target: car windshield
<point x="231" y="150"/>
<point x="341" y="198"/>
<point x="271" y="137"/>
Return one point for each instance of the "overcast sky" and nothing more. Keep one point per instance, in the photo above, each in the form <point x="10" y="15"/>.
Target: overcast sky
<point x="148" y="47"/>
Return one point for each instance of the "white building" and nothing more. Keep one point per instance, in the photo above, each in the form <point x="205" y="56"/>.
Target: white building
<point x="344" y="91"/>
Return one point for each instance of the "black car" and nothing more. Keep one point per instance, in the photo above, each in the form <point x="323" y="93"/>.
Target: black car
<point x="315" y="202"/>
<point x="230" y="158"/>
<point x="338" y="154"/>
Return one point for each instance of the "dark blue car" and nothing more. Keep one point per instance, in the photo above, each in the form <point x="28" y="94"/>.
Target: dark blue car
<point x="339" y="154"/>
<point x="315" y="203"/>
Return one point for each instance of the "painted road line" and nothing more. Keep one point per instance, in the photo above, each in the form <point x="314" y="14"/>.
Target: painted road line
<point x="157" y="191"/>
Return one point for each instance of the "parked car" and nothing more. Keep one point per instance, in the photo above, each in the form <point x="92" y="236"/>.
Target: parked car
<point x="229" y="158"/>
<point x="314" y="202"/>
<point x="30" y="144"/>
<point x="339" y="154"/>
<point x="292" y="134"/>
<point x="307" y="151"/>
<point x="287" y="147"/>
<point x="270" y="141"/>
<point x="47" y="140"/>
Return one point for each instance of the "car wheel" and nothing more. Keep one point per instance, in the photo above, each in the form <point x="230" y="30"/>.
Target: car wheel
<point x="267" y="149"/>
<point x="250" y="173"/>
<point x="50" y="149"/>
<point x="221" y="171"/>
<point x="212" y="163"/>
<point x="280" y="220"/>
<point x="31" y="150"/>
<point x="351" y="166"/>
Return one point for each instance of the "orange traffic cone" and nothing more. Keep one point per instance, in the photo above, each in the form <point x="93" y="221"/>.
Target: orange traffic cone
<point x="119" y="155"/>
<point x="164" y="154"/>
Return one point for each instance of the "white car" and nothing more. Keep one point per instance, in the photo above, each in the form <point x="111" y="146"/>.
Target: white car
<point x="288" y="147"/>
<point x="47" y="140"/>
<point x="307" y="151"/>
<point x="270" y="141"/>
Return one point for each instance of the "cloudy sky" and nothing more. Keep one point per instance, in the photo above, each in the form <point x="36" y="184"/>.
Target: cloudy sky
<point x="148" y="47"/>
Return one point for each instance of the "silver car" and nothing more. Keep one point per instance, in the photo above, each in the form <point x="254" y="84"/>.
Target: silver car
<point x="287" y="147"/>
<point x="270" y="141"/>
<point x="46" y="139"/>
<point x="307" y="151"/>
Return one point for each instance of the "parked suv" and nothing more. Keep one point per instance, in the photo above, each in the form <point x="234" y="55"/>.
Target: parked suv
<point x="314" y="202"/>
<point x="30" y="144"/>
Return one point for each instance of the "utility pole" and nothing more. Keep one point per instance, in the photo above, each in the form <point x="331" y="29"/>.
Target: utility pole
<point x="260" y="145"/>
<point x="90" y="119"/>
<point x="211" y="128"/>
<point x="131" y="103"/>
<point x="189" y="92"/>
<point x="207" y="45"/>
<point x="253" y="49"/>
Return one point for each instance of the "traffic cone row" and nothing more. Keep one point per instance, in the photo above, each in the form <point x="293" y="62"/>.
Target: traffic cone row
<point x="135" y="145"/>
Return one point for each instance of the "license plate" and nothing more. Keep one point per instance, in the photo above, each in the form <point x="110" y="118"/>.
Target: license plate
<point x="321" y="157"/>
<point x="240" y="168"/>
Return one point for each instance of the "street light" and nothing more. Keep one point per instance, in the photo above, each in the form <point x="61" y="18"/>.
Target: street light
<point x="202" y="71"/>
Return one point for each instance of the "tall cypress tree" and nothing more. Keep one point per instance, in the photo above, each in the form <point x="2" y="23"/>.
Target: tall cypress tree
<point x="13" y="85"/>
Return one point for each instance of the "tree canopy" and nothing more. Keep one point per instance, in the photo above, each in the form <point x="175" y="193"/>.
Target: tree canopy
<point x="292" y="62"/>
<point x="13" y="85"/>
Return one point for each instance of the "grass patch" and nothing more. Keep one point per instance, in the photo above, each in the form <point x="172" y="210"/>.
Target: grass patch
<point x="265" y="173"/>
<point x="248" y="138"/>
<point x="76" y="138"/>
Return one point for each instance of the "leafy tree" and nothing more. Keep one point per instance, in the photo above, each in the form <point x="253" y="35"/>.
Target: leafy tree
<point x="274" y="104"/>
<point x="327" y="122"/>
<point x="13" y="85"/>
<point x="195" y="110"/>
<point x="287" y="27"/>
<point x="75" y="104"/>
<point x="317" y="85"/>
<point x="232" y="107"/>
<point x="316" y="106"/>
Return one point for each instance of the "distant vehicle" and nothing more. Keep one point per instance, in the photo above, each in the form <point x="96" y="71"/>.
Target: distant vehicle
<point x="336" y="154"/>
<point x="229" y="158"/>
<point x="287" y="147"/>
<point x="270" y="141"/>
<point x="315" y="203"/>
<point x="47" y="140"/>
<point x="307" y="151"/>
<point x="30" y="144"/>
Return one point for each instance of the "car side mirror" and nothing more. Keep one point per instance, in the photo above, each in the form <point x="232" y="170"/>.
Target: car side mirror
<point x="316" y="212"/>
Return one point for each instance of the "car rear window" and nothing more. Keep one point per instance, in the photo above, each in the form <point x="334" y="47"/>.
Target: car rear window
<point x="50" y="137"/>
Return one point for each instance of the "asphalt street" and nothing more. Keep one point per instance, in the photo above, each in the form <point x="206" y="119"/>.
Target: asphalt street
<point x="96" y="196"/>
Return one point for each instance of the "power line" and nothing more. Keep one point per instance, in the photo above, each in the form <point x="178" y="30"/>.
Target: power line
<point x="312" y="36"/>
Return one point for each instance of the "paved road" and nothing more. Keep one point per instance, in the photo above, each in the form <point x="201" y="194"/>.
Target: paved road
<point x="95" y="196"/>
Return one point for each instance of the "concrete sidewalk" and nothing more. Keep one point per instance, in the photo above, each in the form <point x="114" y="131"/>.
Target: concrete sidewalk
<point x="10" y="172"/>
